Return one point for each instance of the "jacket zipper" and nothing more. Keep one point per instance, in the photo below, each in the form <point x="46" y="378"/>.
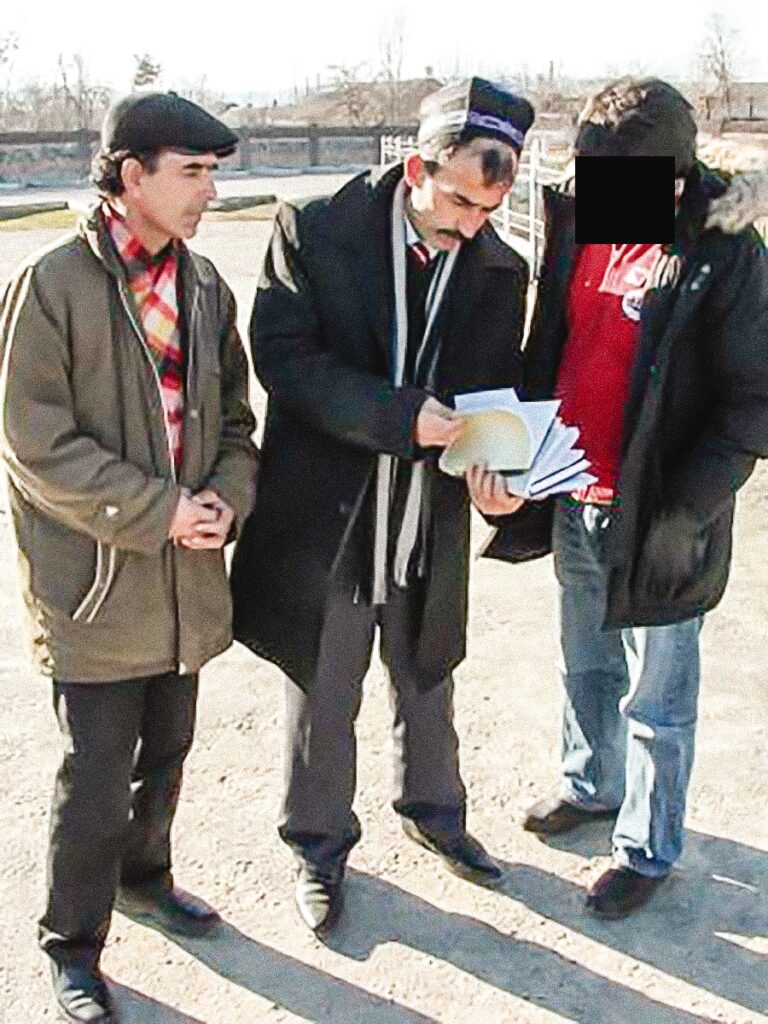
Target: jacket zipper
<point x="166" y="422"/>
<point x="190" y="364"/>
<point x="145" y="348"/>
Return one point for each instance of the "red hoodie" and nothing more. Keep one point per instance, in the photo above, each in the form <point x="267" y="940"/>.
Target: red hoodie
<point x="605" y="295"/>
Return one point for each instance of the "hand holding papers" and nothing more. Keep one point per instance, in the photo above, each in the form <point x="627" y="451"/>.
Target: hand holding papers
<point x="437" y="425"/>
<point x="525" y="441"/>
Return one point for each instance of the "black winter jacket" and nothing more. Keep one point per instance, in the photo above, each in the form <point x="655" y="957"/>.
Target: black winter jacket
<point x="697" y="415"/>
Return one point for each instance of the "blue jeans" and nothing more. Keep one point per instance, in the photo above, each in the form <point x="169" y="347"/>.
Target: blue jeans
<point x="630" y="702"/>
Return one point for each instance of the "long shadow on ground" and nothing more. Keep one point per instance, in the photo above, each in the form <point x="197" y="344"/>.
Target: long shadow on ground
<point x="379" y="912"/>
<point x="134" y="1006"/>
<point x="688" y="931"/>
<point x="291" y="984"/>
<point x="717" y="895"/>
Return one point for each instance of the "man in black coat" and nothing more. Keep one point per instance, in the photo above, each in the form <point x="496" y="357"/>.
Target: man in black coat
<point x="659" y="354"/>
<point x="375" y="306"/>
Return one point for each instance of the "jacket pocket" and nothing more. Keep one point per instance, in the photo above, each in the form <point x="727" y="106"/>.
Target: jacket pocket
<point x="712" y="549"/>
<point x="72" y="573"/>
<point x="684" y="564"/>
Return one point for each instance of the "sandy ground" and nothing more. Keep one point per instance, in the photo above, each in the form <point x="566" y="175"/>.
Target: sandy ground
<point x="418" y="945"/>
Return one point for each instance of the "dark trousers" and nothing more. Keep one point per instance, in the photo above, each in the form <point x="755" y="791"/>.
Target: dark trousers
<point x="114" y="800"/>
<point x="320" y="754"/>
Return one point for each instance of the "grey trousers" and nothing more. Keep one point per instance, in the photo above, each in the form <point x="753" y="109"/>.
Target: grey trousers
<point x="114" y="801"/>
<point x="320" y="754"/>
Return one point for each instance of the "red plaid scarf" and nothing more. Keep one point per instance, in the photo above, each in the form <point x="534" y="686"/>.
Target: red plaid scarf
<point x="153" y="284"/>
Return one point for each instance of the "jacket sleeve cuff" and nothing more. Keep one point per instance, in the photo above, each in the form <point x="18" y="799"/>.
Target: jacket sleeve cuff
<point x="410" y="400"/>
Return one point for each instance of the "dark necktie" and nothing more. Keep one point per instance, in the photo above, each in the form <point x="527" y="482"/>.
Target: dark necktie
<point x="420" y="254"/>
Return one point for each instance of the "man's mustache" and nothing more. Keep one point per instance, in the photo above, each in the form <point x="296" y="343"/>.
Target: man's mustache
<point x="450" y="234"/>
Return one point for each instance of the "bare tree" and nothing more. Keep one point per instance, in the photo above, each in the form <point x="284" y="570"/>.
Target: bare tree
<point x="200" y="91"/>
<point x="392" y="47"/>
<point x="147" y="71"/>
<point x="353" y="92"/>
<point x="718" y="59"/>
<point x="9" y="44"/>
<point x="84" y="102"/>
<point x="453" y="71"/>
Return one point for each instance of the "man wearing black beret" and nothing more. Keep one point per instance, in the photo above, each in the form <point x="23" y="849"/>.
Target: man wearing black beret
<point x="127" y="444"/>
<point x="375" y="306"/>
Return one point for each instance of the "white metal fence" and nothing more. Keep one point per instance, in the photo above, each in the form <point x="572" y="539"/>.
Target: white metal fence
<point x="518" y="219"/>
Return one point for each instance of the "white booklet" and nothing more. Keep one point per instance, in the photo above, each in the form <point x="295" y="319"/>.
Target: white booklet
<point x="525" y="441"/>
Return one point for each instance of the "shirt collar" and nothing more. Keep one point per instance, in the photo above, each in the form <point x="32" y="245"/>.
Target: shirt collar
<point x="412" y="236"/>
<point x="135" y="258"/>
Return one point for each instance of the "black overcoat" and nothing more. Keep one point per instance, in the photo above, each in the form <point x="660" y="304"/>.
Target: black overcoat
<point x="322" y="341"/>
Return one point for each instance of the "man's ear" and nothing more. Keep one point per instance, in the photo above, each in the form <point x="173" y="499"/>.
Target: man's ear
<point x="131" y="171"/>
<point x="414" y="171"/>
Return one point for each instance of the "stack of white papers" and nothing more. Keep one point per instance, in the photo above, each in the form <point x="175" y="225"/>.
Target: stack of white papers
<point x="525" y="441"/>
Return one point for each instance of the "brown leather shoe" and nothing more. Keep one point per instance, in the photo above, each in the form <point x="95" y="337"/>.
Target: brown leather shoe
<point x="620" y="890"/>
<point x="554" y="814"/>
<point x="168" y="907"/>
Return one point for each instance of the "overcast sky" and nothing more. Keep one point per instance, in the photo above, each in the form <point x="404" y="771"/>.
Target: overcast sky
<point x="275" y="46"/>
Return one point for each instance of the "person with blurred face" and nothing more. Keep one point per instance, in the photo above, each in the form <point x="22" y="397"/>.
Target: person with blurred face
<point x="127" y="445"/>
<point x="657" y="352"/>
<point x="375" y="307"/>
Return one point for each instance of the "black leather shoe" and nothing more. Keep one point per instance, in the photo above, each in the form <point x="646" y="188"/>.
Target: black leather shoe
<point x="460" y="852"/>
<point x="621" y="890"/>
<point x="170" y="908"/>
<point x="319" y="894"/>
<point x="81" y="994"/>
<point x="553" y="815"/>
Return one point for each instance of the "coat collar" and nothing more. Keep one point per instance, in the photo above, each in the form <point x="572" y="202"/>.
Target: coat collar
<point x="195" y="274"/>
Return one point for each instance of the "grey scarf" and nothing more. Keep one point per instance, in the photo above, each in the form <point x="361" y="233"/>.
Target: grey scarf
<point x="406" y="541"/>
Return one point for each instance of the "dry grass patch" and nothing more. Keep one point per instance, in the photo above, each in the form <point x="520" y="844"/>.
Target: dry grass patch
<point x="50" y="220"/>
<point x="63" y="220"/>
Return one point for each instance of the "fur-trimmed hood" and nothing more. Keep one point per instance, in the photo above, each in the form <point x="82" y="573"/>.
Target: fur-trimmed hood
<point x="744" y="201"/>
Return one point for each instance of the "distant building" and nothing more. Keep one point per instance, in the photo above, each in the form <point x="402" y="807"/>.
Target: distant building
<point x="349" y="103"/>
<point x="745" y="101"/>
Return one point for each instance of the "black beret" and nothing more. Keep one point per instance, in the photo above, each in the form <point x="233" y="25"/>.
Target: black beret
<point x="475" y="108"/>
<point x="150" y="121"/>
